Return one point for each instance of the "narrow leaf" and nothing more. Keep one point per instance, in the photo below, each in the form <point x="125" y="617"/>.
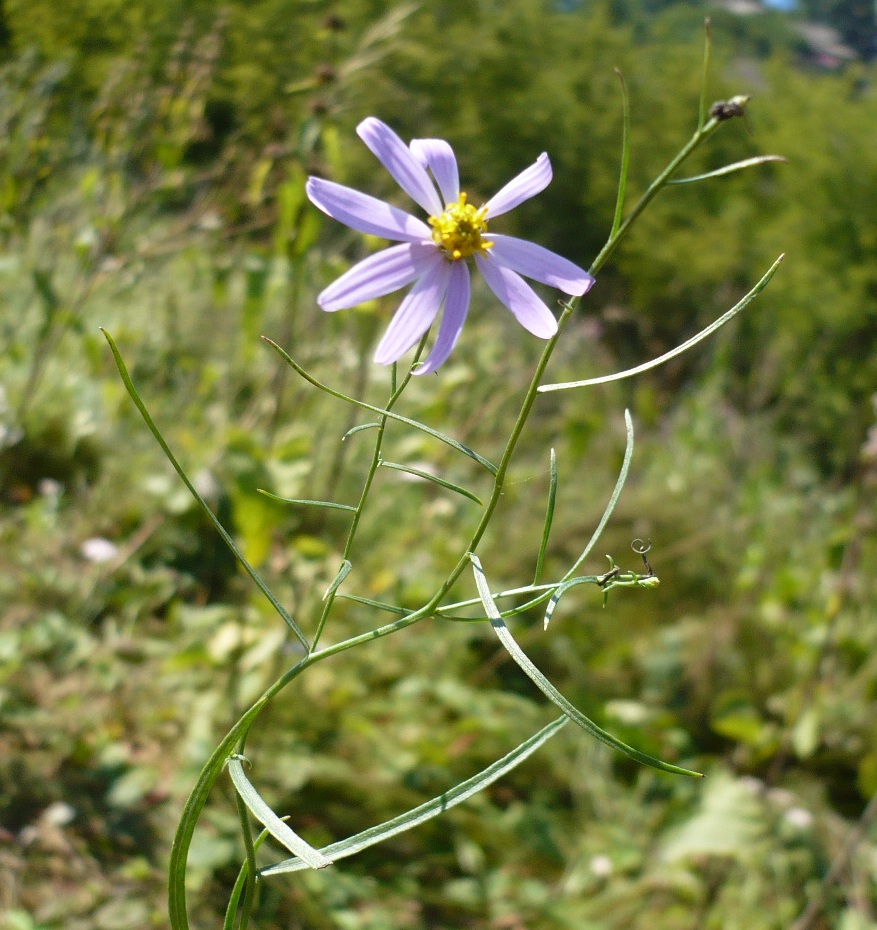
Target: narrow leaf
<point x="238" y="890"/>
<point x="359" y="429"/>
<point x="613" y="500"/>
<point x="549" y="517"/>
<point x="544" y="589"/>
<point x="705" y="72"/>
<point x="625" y="156"/>
<point x="548" y="689"/>
<point x="434" y="478"/>
<point x="197" y="799"/>
<point x="226" y="538"/>
<point x="343" y="572"/>
<point x="298" y="500"/>
<point x="554" y="600"/>
<point x="285" y="835"/>
<point x="430" y="809"/>
<point x="384" y="413"/>
<point x="729" y="169"/>
<point x="379" y="605"/>
<point x="563" y="386"/>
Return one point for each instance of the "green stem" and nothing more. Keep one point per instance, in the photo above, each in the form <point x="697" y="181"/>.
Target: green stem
<point x="369" y="478"/>
<point x="702" y="133"/>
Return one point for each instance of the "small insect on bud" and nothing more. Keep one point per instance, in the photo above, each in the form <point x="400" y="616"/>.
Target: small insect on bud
<point x="728" y="109"/>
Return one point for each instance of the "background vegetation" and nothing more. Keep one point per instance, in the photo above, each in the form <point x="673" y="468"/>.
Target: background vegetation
<point x="152" y="160"/>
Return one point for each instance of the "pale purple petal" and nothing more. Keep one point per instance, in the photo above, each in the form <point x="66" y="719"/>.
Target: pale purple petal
<point x="532" y="261"/>
<point x="415" y="314"/>
<point x="456" y="309"/>
<point x="438" y="156"/>
<point x="519" y="297"/>
<point x="379" y="274"/>
<point x="527" y="184"/>
<point x="364" y="213"/>
<point x="396" y="157"/>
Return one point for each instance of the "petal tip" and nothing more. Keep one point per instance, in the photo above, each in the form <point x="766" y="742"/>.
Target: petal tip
<point x="584" y="286"/>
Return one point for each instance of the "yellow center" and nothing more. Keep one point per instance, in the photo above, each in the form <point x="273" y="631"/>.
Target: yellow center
<point x="459" y="229"/>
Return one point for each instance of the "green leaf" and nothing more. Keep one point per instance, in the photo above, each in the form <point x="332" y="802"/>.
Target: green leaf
<point x="226" y="538"/>
<point x="625" y="157"/>
<point x="548" y="689"/>
<point x="434" y="478"/>
<point x="359" y="429"/>
<point x="384" y="413"/>
<point x="298" y="500"/>
<point x="343" y="572"/>
<point x="725" y="318"/>
<point x="549" y="517"/>
<point x="729" y="822"/>
<point x="284" y="834"/>
<point x="242" y="883"/>
<point x="379" y="605"/>
<point x="430" y="809"/>
<point x="613" y="500"/>
<point x="729" y="169"/>
<point x="705" y="73"/>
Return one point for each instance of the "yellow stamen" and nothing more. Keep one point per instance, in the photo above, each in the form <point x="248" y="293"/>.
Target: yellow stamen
<point x="459" y="229"/>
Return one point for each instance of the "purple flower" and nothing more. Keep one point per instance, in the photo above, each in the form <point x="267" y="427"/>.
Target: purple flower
<point x="433" y="257"/>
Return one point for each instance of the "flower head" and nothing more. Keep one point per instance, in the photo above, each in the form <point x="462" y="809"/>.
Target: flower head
<point x="434" y="257"/>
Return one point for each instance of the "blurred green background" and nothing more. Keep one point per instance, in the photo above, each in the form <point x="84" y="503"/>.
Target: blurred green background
<point x="152" y="161"/>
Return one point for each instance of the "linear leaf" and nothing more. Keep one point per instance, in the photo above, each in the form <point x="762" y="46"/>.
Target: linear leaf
<point x="705" y="71"/>
<point x="566" y="385"/>
<point x="549" y="517"/>
<point x="548" y="689"/>
<point x="239" y="887"/>
<point x="471" y="453"/>
<point x="729" y="169"/>
<point x="226" y="538"/>
<point x="197" y="799"/>
<point x="299" y="500"/>
<point x="284" y="834"/>
<point x="613" y="500"/>
<point x="343" y="572"/>
<point x="379" y="605"/>
<point x="625" y="156"/>
<point x="544" y="589"/>
<point x="359" y="429"/>
<point x="430" y="809"/>
<point x="434" y="478"/>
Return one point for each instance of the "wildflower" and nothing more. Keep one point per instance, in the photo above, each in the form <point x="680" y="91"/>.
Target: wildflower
<point x="434" y="257"/>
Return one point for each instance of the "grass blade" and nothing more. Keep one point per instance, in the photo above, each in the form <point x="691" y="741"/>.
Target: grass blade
<point x="226" y="538"/>
<point x="646" y="366"/>
<point x="548" y="689"/>
<point x="430" y="809"/>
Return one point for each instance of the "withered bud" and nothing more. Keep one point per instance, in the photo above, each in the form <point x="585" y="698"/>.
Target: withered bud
<point x="727" y="109"/>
